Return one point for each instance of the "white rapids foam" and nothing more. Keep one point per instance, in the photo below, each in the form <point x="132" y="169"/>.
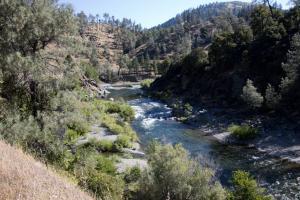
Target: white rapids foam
<point x="139" y="111"/>
<point x="148" y="123"/>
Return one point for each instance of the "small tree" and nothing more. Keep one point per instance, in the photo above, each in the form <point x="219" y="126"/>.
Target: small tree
<point x="272" y="97"/>
<point x="291" y="67"/>
<point x="250" y="95"/>
<point x="246" y="188"/>
<point x="94" y="57"/>
<point x="172" y="174"/>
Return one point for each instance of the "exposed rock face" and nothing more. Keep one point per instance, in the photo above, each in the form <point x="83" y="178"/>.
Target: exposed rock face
<point x="94" y="88"/>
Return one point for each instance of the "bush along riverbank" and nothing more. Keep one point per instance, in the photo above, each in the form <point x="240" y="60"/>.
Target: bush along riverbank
<point x="88" y="152"/>
<point x="270" y="133"/>
<point x="67" y="141"/>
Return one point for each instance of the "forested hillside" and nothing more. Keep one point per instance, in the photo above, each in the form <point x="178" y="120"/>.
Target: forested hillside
<point x="254" y="62"/>
<point x="124" y="47"/>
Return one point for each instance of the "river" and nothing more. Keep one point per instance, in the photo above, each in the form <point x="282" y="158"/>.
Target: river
<point x="155" y="122"/>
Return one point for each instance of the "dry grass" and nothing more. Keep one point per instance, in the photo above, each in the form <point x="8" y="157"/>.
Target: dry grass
<point x="23" y="178"/>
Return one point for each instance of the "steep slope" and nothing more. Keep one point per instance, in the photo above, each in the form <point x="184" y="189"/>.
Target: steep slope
<point x="205" y="13"/>
<point x="244" y="66"/>
<point x="22" y="177"/>
<point x="123" y="44"/>
<point x="191" y="29"/>
<point x="106" y="39"/>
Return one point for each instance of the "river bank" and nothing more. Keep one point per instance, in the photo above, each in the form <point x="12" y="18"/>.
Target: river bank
<point x="278" y="136"/>
<point x="154" y="121"/>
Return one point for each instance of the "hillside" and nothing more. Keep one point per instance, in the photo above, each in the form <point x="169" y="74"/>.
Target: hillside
<point x="22" y="177"/>
<point x="107" y="42"/>
<point x="252" y="65"/>
<point x="125" y="48"/>
<point x="205" y="13"/>
<point x="191" y="29"/>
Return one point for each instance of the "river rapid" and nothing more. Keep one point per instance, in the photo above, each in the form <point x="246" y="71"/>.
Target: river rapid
<point x="154" y="121"/>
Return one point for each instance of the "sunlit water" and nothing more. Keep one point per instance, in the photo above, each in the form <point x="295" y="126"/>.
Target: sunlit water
<point x="155" y="122"/>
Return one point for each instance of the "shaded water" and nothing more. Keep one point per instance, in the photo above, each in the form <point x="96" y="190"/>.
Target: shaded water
<point x="154" y="121"/>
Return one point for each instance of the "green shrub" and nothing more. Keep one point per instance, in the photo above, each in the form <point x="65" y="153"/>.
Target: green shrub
<point x="105" y="165"/>
<point x="133" y="175"/>
<point x="243" y="132"/>
<point x="97" y="174"/>
<point x="122" y="141"/>
<point x="172" y="174"/>
<point x="105" y="186"/>
<point x="80" y="126"/>
<point x="90" y="72"/>
<point x="117" y="127"/>
<point x="105" y="146"/>
<point x="145" y="84"/>
<point x="246" y="188"/>
<point x="44" y="145"/>
<point x="123" y="110"/>
<point x="48" y="148"/>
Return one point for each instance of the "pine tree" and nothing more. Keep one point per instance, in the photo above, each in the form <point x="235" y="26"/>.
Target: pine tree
<point x="250" y="95"/>
<point x="32" y="25"/>
<point x="272" y="97"/>
<point x="291" y="67"/>
<point x="94" y="57"/>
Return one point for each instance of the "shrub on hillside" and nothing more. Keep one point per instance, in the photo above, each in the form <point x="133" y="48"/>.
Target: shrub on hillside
<point x="243" y="132"/>
<point x="105" y="186"/>
<point x="78" y="123"/>
<point x="45" y="145"/>
<point x="133" y="175"/>
<point x="90" y="72"/>
<point x="105" y="146"/>
<point x="122" y="141"/>
<point x="97" y="173"/>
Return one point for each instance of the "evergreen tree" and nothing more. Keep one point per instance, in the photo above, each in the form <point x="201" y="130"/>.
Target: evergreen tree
<point x="292" y="66"/>
<point x="83" y="21"/>
<point x="250" y="95"/>
<point x="94" y="57"/>
<point x="246" y="188"/>
<point x="272" y="97"/>
<point x="27" y="27"/>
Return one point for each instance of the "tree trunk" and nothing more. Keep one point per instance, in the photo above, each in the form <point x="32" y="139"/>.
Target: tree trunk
<point x="33" y="97"/>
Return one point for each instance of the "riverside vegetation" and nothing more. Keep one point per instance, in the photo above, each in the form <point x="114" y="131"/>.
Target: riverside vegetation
<point x="46" y="107"/>
<point x="253" y="63"/>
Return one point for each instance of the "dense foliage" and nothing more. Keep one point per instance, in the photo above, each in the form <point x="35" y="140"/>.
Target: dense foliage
<point x="246" y="188"/>
<point x="243" y="132"/>
<point x="45" y="107"/>
<point x="147" y="52"/>
<point x="243" y="65"/>
<point x="172" y="174"/>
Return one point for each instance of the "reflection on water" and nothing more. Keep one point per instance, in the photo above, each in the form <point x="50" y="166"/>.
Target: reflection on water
<point x="154" y="121"/>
